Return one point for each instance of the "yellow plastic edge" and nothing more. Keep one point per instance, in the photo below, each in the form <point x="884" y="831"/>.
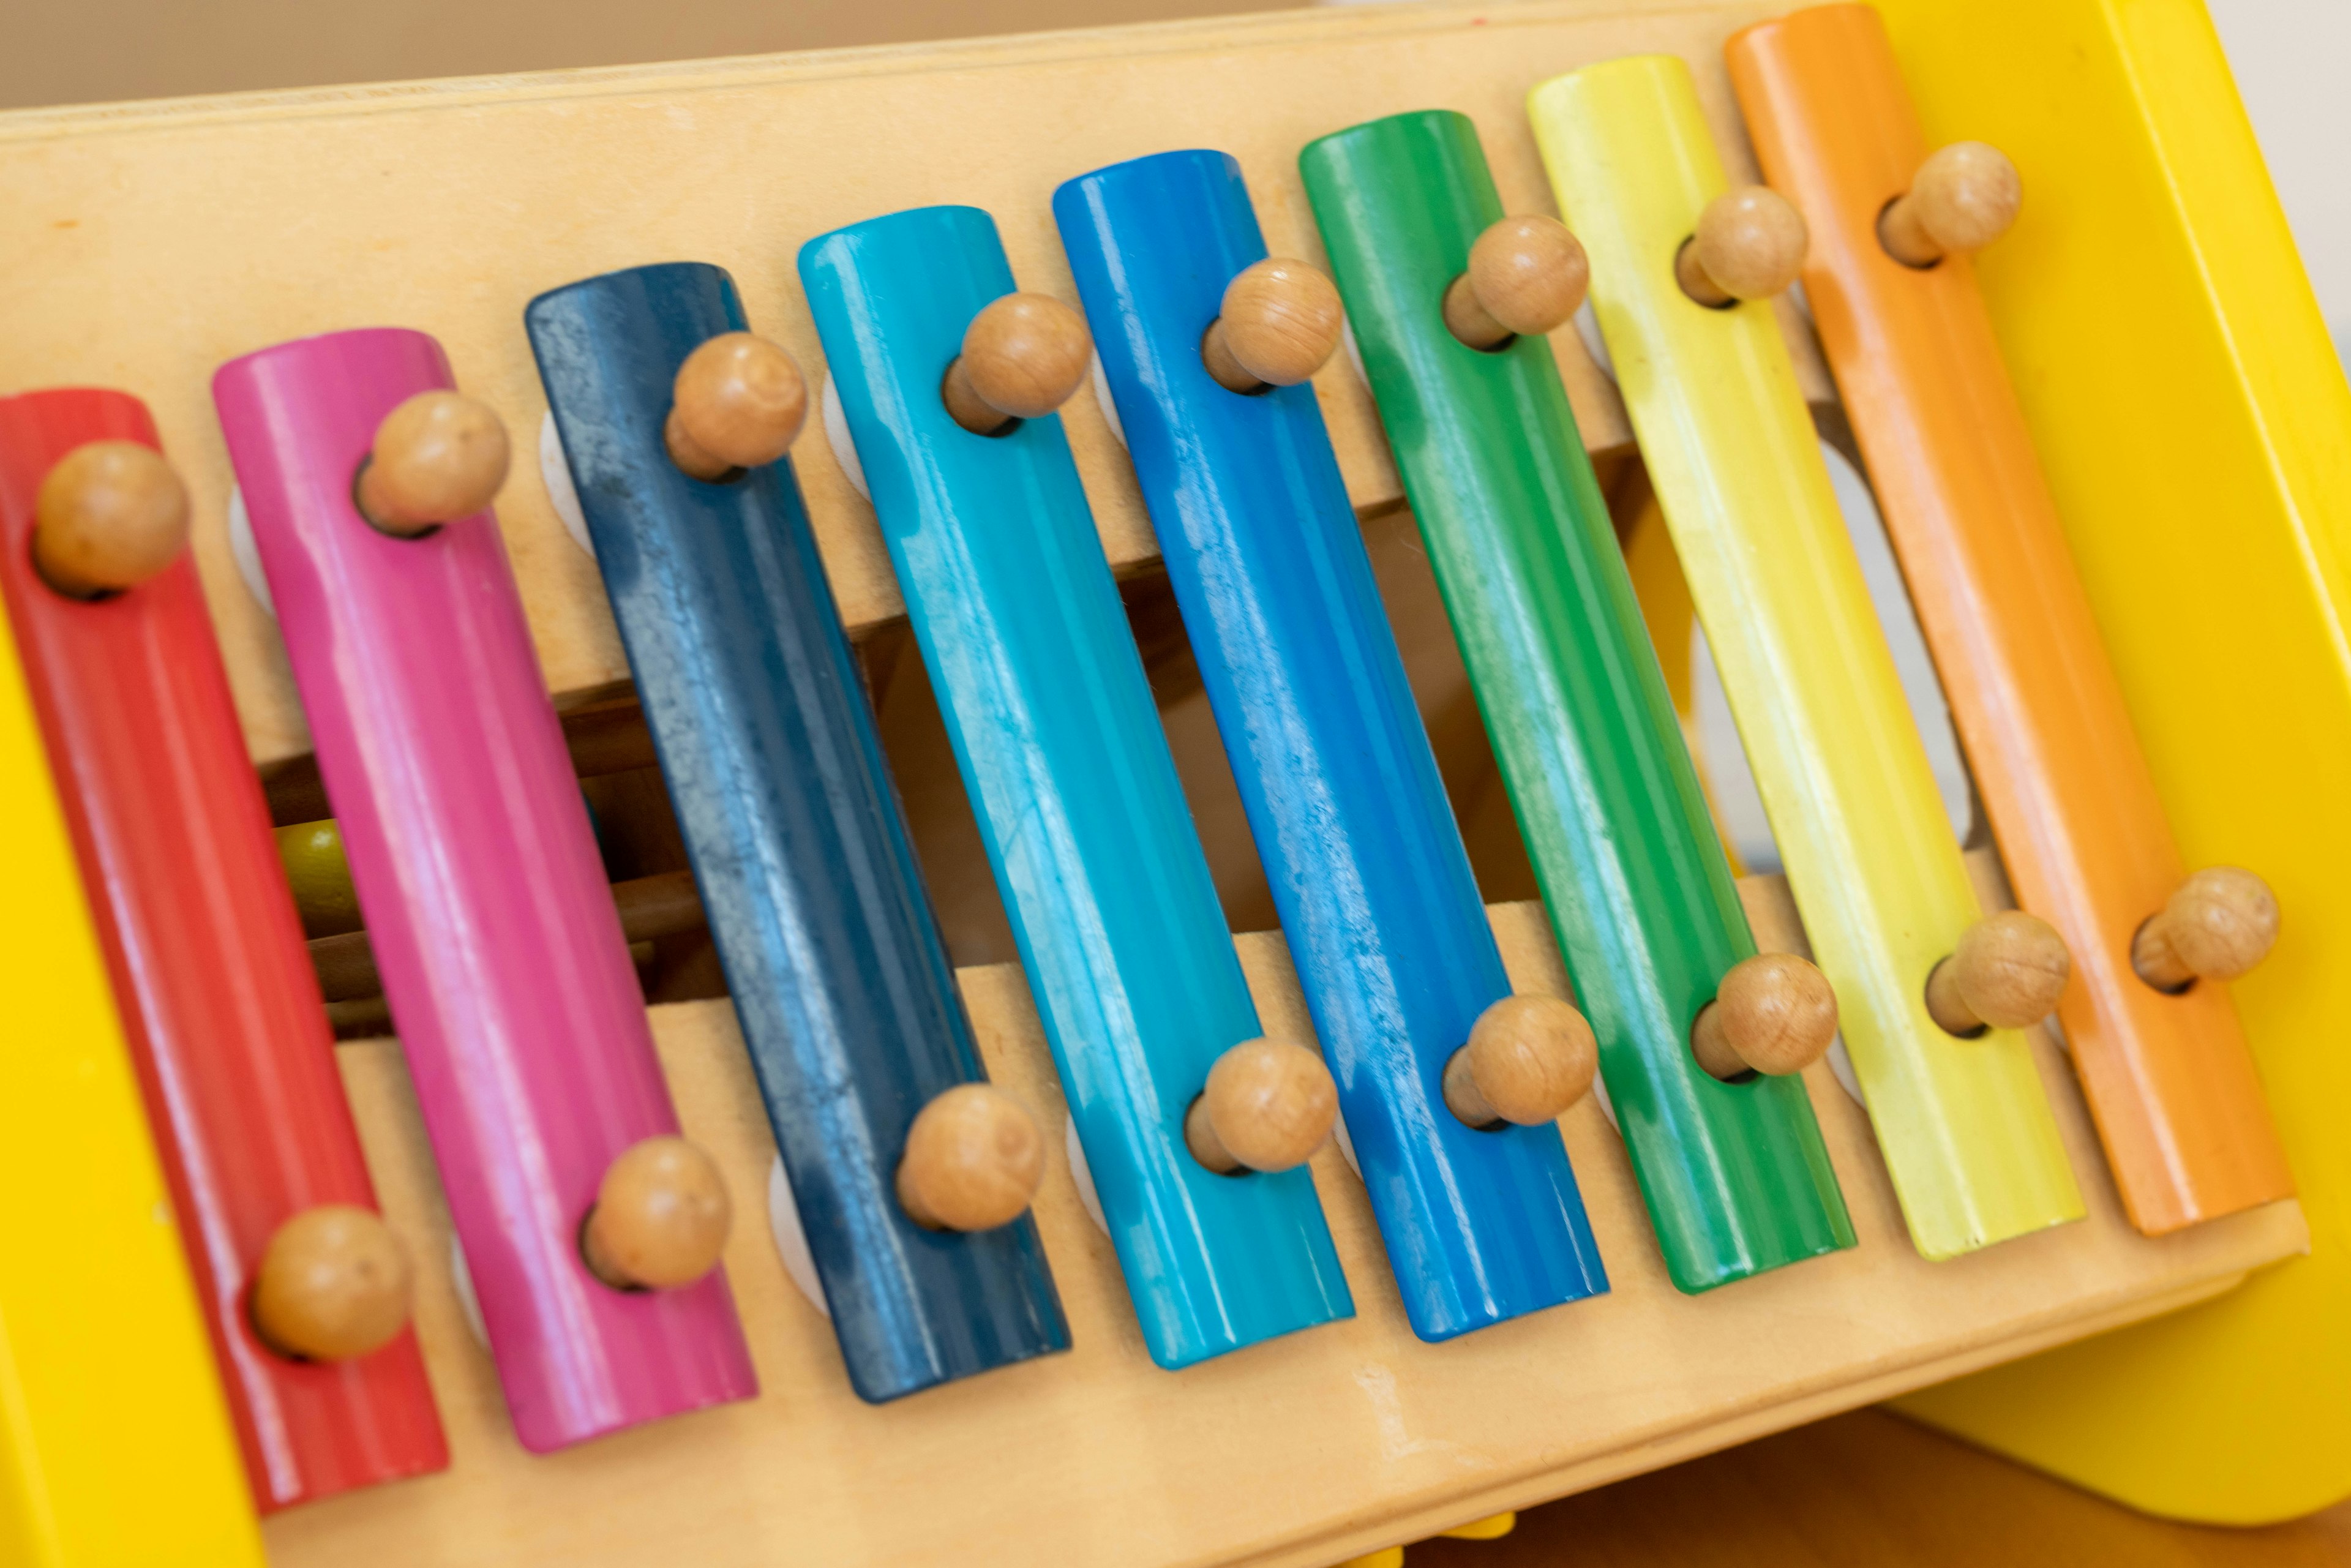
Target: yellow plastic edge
<point x="2196" y="426"/>
<point x="115" y="1446"/>
<point x="1970" y="1139"/>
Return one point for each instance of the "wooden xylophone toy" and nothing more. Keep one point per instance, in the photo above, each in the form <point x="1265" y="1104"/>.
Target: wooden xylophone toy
<point x="658" y="840"/>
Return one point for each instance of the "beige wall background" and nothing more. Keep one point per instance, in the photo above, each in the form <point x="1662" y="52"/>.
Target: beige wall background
<point x="88" y="51"/>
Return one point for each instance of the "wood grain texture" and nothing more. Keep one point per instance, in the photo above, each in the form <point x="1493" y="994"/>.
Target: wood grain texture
<point x="447" y="206"/>
<point x="1300" y="1451"/>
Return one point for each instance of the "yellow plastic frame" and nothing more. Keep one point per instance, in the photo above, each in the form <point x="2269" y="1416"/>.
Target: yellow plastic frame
<point x="2196" y="427"/>
<point x="115" y="1449"/>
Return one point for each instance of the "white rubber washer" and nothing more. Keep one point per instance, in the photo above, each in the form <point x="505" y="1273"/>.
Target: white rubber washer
<point x="836" y="436"/>
<point x="247" y="554"/>
<point x="1084" y="1174"/>
<point x="1103" y="400"/>
<point x="1587" y="326"/>
<point x="1346" y="1146"/>
<point x="468" y="1304"/>
<point x="1841" y="1064"/>
<point x="1355" y="353"/>
<point x="791" y="1242"/>
<point x="555" y="473"/>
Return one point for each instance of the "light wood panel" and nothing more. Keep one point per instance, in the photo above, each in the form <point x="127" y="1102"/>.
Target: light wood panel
<point x="1303" y="1451"/>
<point x="148" y="244"/>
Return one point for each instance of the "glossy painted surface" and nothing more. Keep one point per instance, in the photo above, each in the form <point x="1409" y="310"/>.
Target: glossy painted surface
<point x="1966" y="1132"/>
<point x="1376" y="897"/>
<point x="218" y="1001"/>
<point x="1053" y="727"/>
<point x="97" y="1316"/>
<point x="790" y="814"/>
<point x="2193" y="423"/>
<point x="1736" y="1177"/>
<point x="2081" y="830"/>
<point x="487" y="907"/>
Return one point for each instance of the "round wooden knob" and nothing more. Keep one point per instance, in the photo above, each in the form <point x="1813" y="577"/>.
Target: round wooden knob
<point x="1022" y="357"/>
<point x="318" y="875"/>
<point x="1268" y="1106"/>
<point x="2008" y="971"/>
<point x="1526" y="277"/>
<point x="1964" y="197"/>
<point x="1527" y="1060"/>
<point x="2221" y="923"/>
<point x="659" y="1219"/>
<point x="110" y="515"/>
<point x="737" y="403"/>
<point x="438" y="457"/>
<point x="974" y="1160"/>
<point x="1279" y="323"/>
<point x="1773" y="1013"/>
<point x="1750" y="244"/>
<point x="334" y="1283"/>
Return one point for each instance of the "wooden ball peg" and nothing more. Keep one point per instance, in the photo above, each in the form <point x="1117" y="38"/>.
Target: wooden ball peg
<point x="438" y="457"/>
<point x="659" y="1219"/>
<point x="1022" y="357"/>
<point x="318" y="875"/>
<point x="1964" y="197"/>
<point x="737" y="403"/>
<point x="1279" y="323"/>
<point x="1268" y="1106"/>
<point x="1773" y="1013"/>
<point x="1750" y="244"/>
<point x="2008" y="971"/>
<point x="110" y="515"/>
<point x="1527" y="1060"/>
<point x="974" y="1160"/>
<point x="2221" y="923"/>
<point x="334" y="1283"/>
<point x="1526" y="277"/>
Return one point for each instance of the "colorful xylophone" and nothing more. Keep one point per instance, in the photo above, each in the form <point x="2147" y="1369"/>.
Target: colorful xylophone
<point x="701" y="1204"/>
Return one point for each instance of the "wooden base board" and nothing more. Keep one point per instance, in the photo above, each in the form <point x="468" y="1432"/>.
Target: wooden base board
<point x="1300" y="1452"/>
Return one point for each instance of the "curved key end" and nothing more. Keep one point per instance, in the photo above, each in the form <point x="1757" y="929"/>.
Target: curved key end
<point x="737" y="403"/>
<point x="334" y="1285"/>
<point x="439" y="457"/>
<point x="1528" y="1058"/>
<point x="1022" y="357"/>
<point x="1750" y="244"/>
<point x="1774" y="1013"/>
<point x="1268" y="1106"/>
<point x="974" y="1160"/>
<point x="2008" y="971"/>
<point x="661" y="1218"/>
<point x="1526" y="276"/>
<point x="1279" y="324"/>
<point x="108" y="517"/>
<point x="2219" y="925"/>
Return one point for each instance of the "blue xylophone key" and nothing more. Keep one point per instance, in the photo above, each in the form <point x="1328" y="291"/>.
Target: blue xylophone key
<point x="837" y="972"/>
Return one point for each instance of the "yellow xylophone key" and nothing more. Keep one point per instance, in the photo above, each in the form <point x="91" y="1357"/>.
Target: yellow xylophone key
<point x="115" y="1449"/>
<point x="1968" y="1135"/>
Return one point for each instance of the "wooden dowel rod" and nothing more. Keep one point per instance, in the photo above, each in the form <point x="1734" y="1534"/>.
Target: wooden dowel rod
<point x="650" y="907"/>
<point x="602" y="741"/>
